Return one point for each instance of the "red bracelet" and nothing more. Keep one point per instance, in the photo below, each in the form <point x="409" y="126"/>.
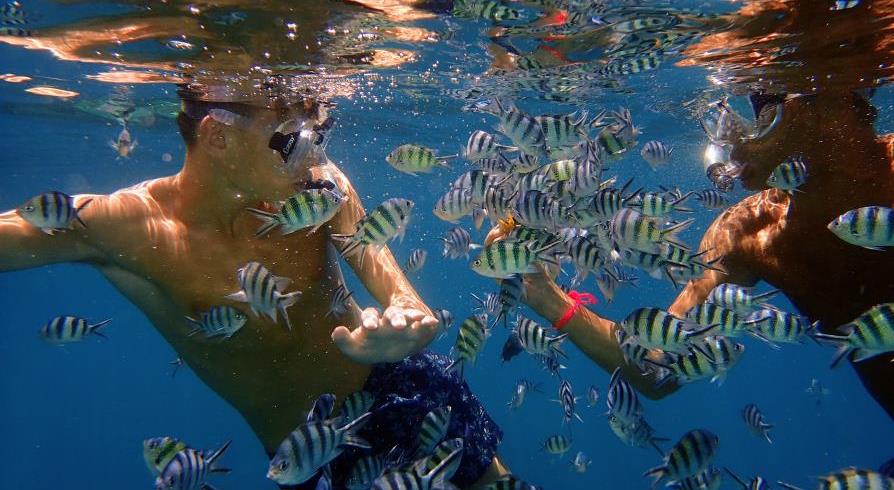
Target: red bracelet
<point x="579" y="299"/>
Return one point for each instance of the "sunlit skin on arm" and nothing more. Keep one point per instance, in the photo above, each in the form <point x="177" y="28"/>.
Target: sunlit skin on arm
<point x="594" y="335"/>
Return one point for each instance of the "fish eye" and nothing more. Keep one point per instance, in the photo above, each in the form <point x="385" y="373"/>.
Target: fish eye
<point x="476" y="263"/>
<point x="283" y="465"/>
<point x="153" y="444"/>
<point x="29" y="208"/>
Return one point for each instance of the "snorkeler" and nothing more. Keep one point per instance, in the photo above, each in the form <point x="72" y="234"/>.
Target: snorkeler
<point x="173" y="246"/>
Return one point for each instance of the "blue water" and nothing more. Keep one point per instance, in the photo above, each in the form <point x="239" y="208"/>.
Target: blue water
<point x="75" y="416"/>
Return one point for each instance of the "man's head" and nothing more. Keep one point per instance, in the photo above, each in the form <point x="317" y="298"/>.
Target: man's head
<point x="253" y="146"/>
<point x="812" y="126"/>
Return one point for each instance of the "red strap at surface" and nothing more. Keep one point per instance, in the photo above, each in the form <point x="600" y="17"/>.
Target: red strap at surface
<point x="579" y="299"/>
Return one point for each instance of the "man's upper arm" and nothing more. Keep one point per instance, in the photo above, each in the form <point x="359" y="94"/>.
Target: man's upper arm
<point x="23" y="246"/>
<point x="722" y="244"/>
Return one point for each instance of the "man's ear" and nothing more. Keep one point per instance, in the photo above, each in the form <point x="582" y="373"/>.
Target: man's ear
<point x="212" y="134"/>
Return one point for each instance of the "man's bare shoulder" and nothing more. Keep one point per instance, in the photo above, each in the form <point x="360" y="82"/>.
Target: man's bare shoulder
<point x="124" y="212"/>
<point x="747" y="227"/>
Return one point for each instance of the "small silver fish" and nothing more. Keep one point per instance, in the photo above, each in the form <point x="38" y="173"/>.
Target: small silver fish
<point x="581" y="462"/>
<point x="340" y="302"/>
<point x="70" y="329"/>
<point x="458" y="243"/>
<point x="124" y="145"/>
<point x="52" y="211"/>
<point x="264" y="292"/>
<point x="217" y="321"/>
<point x="754" y="419"/>
<point x="189" y="469"/>
<point x="656" y="153"/>
<point x="416" y="261"/>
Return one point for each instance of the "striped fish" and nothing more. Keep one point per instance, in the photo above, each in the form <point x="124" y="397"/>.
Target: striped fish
<point x="551" y="364"/>
<point x="738" y="298"/>
<point x="568" y="402"/>
<point x="264" y="292"/>
<point x="559" y="171"/>
<point x="754" y="420"/>
<point x="322" y="408"/>
<point x="774" y="326"/>
<point x="714" y="358"/>
<point x="592" y="396"/>
<point x="622" y="400"/>
<point x="498" y="165"/>
<point x="159" y="451"/>
<point x="851" y="479"/>
<point x="340" y="302"/>
<point x="711" y="199"/>
<point x="482" y="145"/>
<point x="655" y="328"/>
<point x="511" y="348"/>
<point x="445" y="321"/>
<point x="457" y="243"/>
<point x="485" y="9"/>
<point x="522" y="387"/>
<point x="523" y="130"/>
<point x="489" y="305"/>
<point x="633" y="229"/>
<point x="870" y="334"/>
<point x="310" y="447"/>
<point x="710" y="479"/>
<point x="789" y="175"/>
<point x="636" y="354"/>
<point x="416" y="261"/>
<point x="586" y="255"/>
<point x="563" y="129"/>
<point x="535" y="341"/>
<point x="441" y="452"/>
<point x="478" y="215"/>
<point x="557" y="445"/>
<point x="512" y="290"/>
<point x="533" y="181"/>
<point x="387" y="221"/>
<point x="656" y="153"/>
<point x="504" y="258"/>
<point x="217" y="321"/>
<point x="53" y="211"/>
<point x="689" y="457"/>
<point x="469" y="342"/>
<point x="584" y="182"/>
<point x="581" y="462"/>
<point x="310" y="208"/>
<point x="189" y="469"/>
<point x="453" y="205"/>
<point x="510" y="482"/>
<point x="728" y="321"/>
<point x="356" y="404"/>
<point x="477" y="182"/>
<point x="498" y="202"/>
<point x="869" y="227"/>
<point x="635" y="433"/>
<point x="365" y="471"/>
<point x="537" y="209"/>
<point x="656" y="204"/>
<point x="414" y="159"/>
<point x="410" y="480"/>
<point x="608" y="202"/>
<point x="69" y="329"/>
<point x="432" y="430"/>
<point x="526" y="163"/>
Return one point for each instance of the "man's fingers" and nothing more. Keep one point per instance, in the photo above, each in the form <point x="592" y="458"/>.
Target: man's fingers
<point x="343" y="340"/>
<point x="397" y="319"/>
<point x="414" y="315"/>
<point x="369" y="318"/>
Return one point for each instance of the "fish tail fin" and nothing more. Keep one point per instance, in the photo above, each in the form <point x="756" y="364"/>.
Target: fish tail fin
<point x="670" y="234"/>
<point x="456" y="367"/>
<point x="555" y="345"/>
<point x="445" y="470"/>
<point x="759" y="298"/>
<point x="269" y="221"/>
<point x="657" y="474"/>
<point x="351" y="438"/>
<point x="80" y="208"/>
<point x="284" y="302"/>
<point x="94" y="329"/>
<point x="212" y="457"/>
<point x="682" y="199"/>
<point x="844" y="352"/>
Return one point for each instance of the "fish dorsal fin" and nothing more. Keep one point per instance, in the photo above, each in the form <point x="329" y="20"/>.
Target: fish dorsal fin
<point x="322" y="408"/>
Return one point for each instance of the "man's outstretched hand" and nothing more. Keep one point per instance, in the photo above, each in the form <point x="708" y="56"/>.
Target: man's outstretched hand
<point x="388" y="337"/>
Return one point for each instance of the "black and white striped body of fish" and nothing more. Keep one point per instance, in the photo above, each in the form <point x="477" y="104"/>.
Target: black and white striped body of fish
<point x="635" y="432"/>
<point x="458" y="243"/>
<point x="439" y="454"/>
<point x="689" y="457"/>
<point x="850" y="479"/>
<point x="739" y="298"/>
<point x="189" y="470"/>
<point x="512" y="290"/>
<point x="477" y="182"/>
<point x="264" y="292"/>
<point x="535" y="340"/>
<point x="711" y="199"/>
<point x="870" y="227"/>
<point x="322" y="408"/>
<point x="498" y="201"/>
<point x="632" y="229"/>
<point x="774" y="326"/>
<point x="656" y="153"/>
<point x="445" y="321"/>
<point x="563" y="130"/>
<point x="523" y="130"/>
<point x="489" y="305"/>
<point x="728" y="322"/>
<point x="309" y="208"/>
<point x="365" y="471"/>
<point x="454" y="205"/>
<point x="70" y="329"/>
<point x="356" y="404"/>
<point x="416" y="261"/>
<point x="53" y="211"/>
<point x="218" y="321"/>
<point x="755" y="422"/>
<point x="657" y="204"/>
<point x="713" y="358"/>
<point x="622" y="400"/>
<point x="340" y="302"/>
<point x="710" y="479"/>
<point x="482" y="145"/>
<point x="537" y="209"/>
<point x="568" y="402"/>
<point x="522" y="388"/>
<point x="789" y="175"/>
<point x="557" y="445"/>
<point x="432" y="430"/>
<point x="469" y="341"/>
<point x="310" y="447"/>
<point x="387" y="221"/>
<point x="870" y="334"/>
<point x="437" y="478"/>
<point x="654" y="328"/>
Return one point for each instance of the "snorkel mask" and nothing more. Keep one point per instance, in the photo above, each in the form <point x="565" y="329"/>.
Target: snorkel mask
<point x="295" y="140"/>
<point x="726" y="128"/>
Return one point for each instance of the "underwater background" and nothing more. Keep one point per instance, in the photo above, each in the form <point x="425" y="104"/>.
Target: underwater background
<point x="75" y="416"/>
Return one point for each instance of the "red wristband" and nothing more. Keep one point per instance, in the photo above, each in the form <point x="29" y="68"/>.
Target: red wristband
<point x="579" y="299"/>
